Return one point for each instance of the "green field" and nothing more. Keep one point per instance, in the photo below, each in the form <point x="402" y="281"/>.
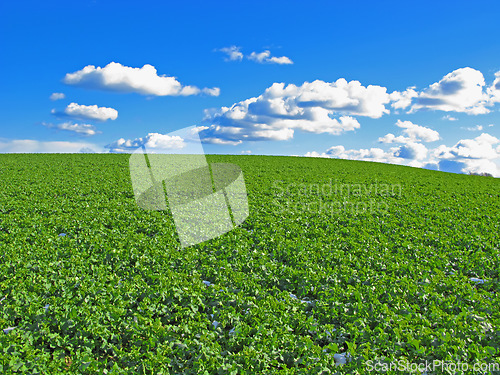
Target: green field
<point x="378" y="261"/>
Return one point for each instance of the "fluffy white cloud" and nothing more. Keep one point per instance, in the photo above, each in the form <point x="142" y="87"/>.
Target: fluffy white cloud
<point x="401" y="100"/>
<point x="391" y="138"/>
<point x="478" y="155"/>
<point x="151" y="141"/>
<point x="83" y="129"/>
<point x="265" y="57"/>
<point x="463" y="90"/>
<point x="418" y="133"/>
<point x="34" y="146"/>
<point x="481" y="166"/>
<point x="494" y="89"/>
<point x="90" y="112"/>
<point x="283" y="60"/>
<point x="481" y="147"/>
<point x="458" y="91"/>
<point x="120" y="78"/>
<point x="214" y="91"/>
<point x="314" y="154"/>
<point x="412" y="151"/>
<point x="395" y="155"/>
<point x="372" y="154"/>
<point x="233" y="53"/>
<point x="281" y="109"/>
<point x="57" y="96"/>
<point x="259" y="57"/>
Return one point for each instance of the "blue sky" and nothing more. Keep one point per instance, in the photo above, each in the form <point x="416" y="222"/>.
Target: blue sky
<point x="400" y="82"/>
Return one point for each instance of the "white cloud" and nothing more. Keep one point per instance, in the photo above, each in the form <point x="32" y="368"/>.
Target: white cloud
<point x="481" y="147"/>
<point x="413" y="132"/>
<point x="283" y="60"/>
<point x="120" y="78"/>
<point x="417" y="132"/>
<point x="314" y="154"/>
<point x="412" y="151"/>
<point x="372" y="154"/>
<point x="151" y="141"/>
<point x="34" y="146"/>
<point x="312" y="107"/>
<point x="214" y="91"/>
<point x="265" y="57"/>
<point x="233" y="53"/>
<point x="219" y="141"/>
<point x="463" y="90"/>
<point x="494" y="89"/>
<point x="83" y="129"/>
<point x="401" y="100"/>
<point x="478" y="155"/>
<point x="458" y="91"/>
<point x="481" y="166"/>
<point x="391" y="138"/>
<point x="259" y="57"/>
<point x="57" y="96"/>
<point x="246" y="152"/>
<point x="473" y="128"/>
<point x="89" y="112"/>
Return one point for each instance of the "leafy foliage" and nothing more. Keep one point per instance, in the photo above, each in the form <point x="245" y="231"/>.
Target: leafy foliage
<point x="90" y="283"/>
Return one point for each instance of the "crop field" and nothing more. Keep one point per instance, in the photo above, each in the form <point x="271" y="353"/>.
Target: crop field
<point x="339" y="267"/>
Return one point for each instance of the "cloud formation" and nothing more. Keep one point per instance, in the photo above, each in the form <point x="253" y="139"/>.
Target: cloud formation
<point x="401" y="100"/>
<point x="233" y="53"/>
<point x="411" y="151"/>
<point x="119" y="78"/>
<point x="82" y="129"/>
<point x="265" y="57"/>
<point x="463" y="90"/>
<point x="478" y="155"/>
<point x="312" y="107"/>
<point x="481" y="147"/>
<point x="57" y="96"/>
<point x="494" y="89"/>
<point x="89" y="112"/>
<point x="473" y="128"/>
<point x="372" y="154"/>
<point x="329" y="107"/>
<point x="151" y="141"/>
<point x="34" y="146"/>
<point x="413" y="133"/>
